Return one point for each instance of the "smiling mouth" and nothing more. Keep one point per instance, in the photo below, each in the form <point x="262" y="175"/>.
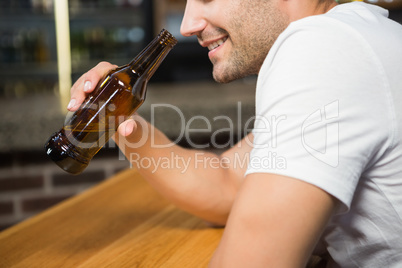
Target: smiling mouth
<point x="217" y="43"/>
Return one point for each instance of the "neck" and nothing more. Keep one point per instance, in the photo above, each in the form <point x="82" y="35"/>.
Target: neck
<point x="298" y="9"/>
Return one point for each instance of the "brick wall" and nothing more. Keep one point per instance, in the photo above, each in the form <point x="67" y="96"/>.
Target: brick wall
<point x="30" y="183"/>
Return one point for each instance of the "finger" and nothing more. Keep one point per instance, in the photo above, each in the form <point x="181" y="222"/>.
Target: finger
<point x="77" y="95"/>
<point x="127" y="127"/>
<point x="93" y="76"/>
<point x="87" y="83"/>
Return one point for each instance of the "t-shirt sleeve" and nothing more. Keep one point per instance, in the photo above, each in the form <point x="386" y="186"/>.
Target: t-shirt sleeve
<point x="318" y="109"/>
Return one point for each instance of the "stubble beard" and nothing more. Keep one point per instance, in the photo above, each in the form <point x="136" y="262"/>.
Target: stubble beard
<point x="251" y="47"/>
<point x="242" y="63"/>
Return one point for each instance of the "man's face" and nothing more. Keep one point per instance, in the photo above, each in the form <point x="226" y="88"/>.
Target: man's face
<point x="238" y="33"/>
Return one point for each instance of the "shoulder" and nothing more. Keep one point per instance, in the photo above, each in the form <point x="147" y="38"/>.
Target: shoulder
<point x="322" y="41"/>
<point x="315" y="32"/>
<point x="347" y="27"/>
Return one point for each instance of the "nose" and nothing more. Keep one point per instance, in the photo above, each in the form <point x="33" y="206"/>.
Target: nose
<point x="193" y="21"/>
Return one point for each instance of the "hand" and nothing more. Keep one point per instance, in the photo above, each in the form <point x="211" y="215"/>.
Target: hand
<point x="86" y="84"/>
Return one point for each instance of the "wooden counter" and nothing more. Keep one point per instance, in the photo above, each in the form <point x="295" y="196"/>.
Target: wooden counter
<point x="122" y="222"/>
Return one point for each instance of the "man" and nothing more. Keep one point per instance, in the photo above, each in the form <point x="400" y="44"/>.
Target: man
<point x="331" y="72"/>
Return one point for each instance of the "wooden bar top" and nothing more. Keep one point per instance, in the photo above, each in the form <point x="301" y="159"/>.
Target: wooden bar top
<point x="122" y="222"/>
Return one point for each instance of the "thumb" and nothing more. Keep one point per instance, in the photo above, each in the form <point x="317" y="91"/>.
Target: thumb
<point x="127" y="127"/>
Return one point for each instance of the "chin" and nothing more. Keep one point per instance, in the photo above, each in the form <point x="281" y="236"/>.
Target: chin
<point x="222" y="81"/>
<point x="227" y="78"/>
<point x="223" y="77"/>
<point x="227" y="75"/>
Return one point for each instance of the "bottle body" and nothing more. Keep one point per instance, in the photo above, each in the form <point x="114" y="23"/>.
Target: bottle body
<point x="116" y="97"/>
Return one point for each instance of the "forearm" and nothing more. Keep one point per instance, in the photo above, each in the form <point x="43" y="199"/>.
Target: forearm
<point x="195" y="181"/>
<point x="199" y="182"/>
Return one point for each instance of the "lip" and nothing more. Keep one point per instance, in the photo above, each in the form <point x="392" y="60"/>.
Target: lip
<point x="209" y="42"/>
<point x="212" y="52"/>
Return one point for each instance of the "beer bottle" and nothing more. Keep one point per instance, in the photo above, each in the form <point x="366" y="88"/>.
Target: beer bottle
<point x="117" y="96"/>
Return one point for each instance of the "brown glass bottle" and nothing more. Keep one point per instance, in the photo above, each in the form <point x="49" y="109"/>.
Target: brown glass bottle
<point x="116" y="97"/>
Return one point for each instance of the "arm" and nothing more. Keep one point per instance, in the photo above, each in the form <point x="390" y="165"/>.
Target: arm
<point x="275" y="222"/>
<point x="201" y="183"/>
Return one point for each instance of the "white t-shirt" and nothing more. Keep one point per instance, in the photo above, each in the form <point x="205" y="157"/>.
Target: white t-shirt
<point x="329" y="112"/>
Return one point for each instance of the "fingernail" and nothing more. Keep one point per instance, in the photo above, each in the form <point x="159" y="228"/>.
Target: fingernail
<point x="129" y="128"/>
<point x="71" y="104"/>
<point x="87" y="86"/>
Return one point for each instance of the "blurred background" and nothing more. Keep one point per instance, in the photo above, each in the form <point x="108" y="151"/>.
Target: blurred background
<point x="45" y="47"/>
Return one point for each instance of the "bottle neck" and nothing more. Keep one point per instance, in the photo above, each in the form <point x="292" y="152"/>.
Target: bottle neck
<point x="149" y="59"/>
